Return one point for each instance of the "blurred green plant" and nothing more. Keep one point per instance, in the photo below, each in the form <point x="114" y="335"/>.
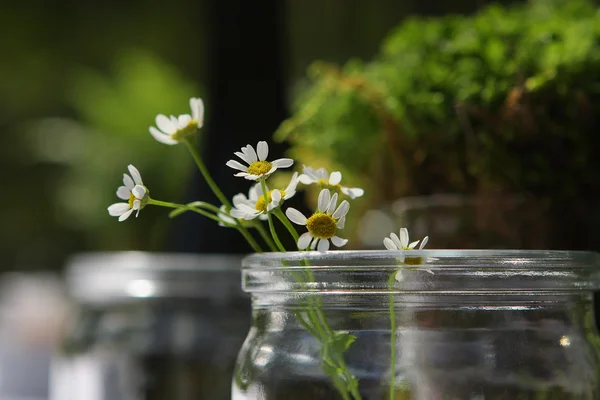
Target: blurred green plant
<point x="504" y="101"/>
<point x="108" y="135"/>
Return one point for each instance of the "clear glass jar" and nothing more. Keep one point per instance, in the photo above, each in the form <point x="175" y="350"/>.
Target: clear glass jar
<point x="478" y="324"/>
<point x="151" y="327"/>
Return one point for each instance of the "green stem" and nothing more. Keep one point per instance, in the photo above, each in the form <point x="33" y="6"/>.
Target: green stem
<point x="194" y="151"/>
<point x="263" y="233"/>
<point x="239" y="227"/>
<point x="184" y="207"/>
<point x="392" y="338"/>
<point x="281" y="216"/>
<point x="280" y="246"/>
<point x="190" y="145"/>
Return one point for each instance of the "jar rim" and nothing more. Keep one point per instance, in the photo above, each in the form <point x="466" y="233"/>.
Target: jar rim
<point x="122" y="276"/>
<point x="447" y="271"/>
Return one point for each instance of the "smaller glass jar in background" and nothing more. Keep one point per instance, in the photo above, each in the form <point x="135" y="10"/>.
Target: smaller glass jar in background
<point x="151" y="327"/>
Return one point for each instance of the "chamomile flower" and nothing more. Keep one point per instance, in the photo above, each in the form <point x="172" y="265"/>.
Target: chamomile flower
<point x="255" y="205"/>
<point x="323" y="224"/>
<point x="172" y="130"/>
<point x="258" y="166"/>
<point x="328" y="181"/>
<point x="396" y="243"/>
<point x="134" y="192"/>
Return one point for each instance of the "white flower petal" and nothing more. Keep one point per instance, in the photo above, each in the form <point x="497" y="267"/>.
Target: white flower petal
<point x="262" y="148"/>
<point x="352" y="192"/>
<point x="313" y="244"/>
<point x="249" y="177"/>
<point x="332" y="204"/>
<point x="403" y="237"/>
<point x="304" y="240"/>
<point x="323" y="245"/>
<point x="137" y="204"/>
<point x="335" y="178"/>
<point x="295" y="216"/>
<point x="236" y="165"/>
<point x="197" y="106"/>
<point x="389" y="244"/>
<point x="424" y="242"/>
<point x="123" y="193"/>
<point x="291" y="187"/>
<point x="243" y="157"/>
<point x="283" y="162"/>
<point x="139" y="192"/>
<point x="324" y="198"/>
<point x="338" y="241"/>
<point x="413" y="244"/>
<point x="341" y="223"/>
<point x="165" y="124"/>
<point x="342" y="210"/>
<point x="184" y="120"/>
<point x="135" y="174"/>
<point x="249" y="151"/>
<point x="239" y="199"/>
<point x="276" y="196"/>
<point x="128" y="182"/>
<point x="396" y="240"/>
<point x="162" y="137"/>
<point x="306" y="180"/>
<point x="311" y="173"/>
<point x="244" y="174"/>
<point x="322" y="174"/>
<point x="114" y="210"/>
<point x="126" y="215"/>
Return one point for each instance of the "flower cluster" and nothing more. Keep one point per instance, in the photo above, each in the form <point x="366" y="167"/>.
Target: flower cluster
<point x="261" y="203"/>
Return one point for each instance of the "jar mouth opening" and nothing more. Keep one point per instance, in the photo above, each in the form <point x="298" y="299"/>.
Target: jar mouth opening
<point x="420" y="271"/>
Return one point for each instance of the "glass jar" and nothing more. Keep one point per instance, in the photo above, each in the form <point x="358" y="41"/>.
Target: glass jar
<point x="151" y="327"/>
<point x="475" y="324"/>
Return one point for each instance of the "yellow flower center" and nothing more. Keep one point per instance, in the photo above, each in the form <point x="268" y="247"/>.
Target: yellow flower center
<point x="189" y="130"/>
<point x="321" y="225"/>
<point x="260" y="203"/>
<point x="259" y="168"/>
<point x="413" y="260"/>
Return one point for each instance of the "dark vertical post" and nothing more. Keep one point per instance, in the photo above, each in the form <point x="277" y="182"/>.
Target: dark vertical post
<point x="245" y="104"/>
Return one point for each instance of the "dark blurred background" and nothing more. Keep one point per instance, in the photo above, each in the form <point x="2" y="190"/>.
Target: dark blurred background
<point x="80" y="82"/>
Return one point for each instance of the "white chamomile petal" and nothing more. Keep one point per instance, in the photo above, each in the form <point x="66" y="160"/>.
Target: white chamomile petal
<point x="165" y="124"/>
<point x="136" y="205"/>
<point x="128" y="182"/>
<point x="123" y="193"/>
<point x="162" y="137"/>
<point x="304" y="240"/>
<point x="324" y="198"/>
<point x="283" y="162"/>
<point x="243" y="156"/>
<point x="276" y="196"/>
<point x="125" y="215"/>
<point x="341" y="223"/>
<point x="314" y="243"/>
<point x="352" y="192"/>
<point x="323" y="245"/>
<point x="413" y="245"/>
<point x="399" y="276"/>
<point x="332" y="204"/>
<point x="403" y="237"/>
<point x="424" y="242"/>
<point x="335" y="178"/>
<point x="342" y="210"/>
<point x="236" y="165"/>
<point x="306" y="180"/>
<point x="389" y="244"/>
<point x="139" y="192"/>
<point x="117" y="209"/>
<point x="184" y="120"/>
<point x="396" y="240"/>
<point x="262" y="149"/>
<point x="197" y="107"/>
<point x="338" y="241"/>
<point x="249" y="150"/>
<point x="295" y="216"/>
<point x="135" y="174"/>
